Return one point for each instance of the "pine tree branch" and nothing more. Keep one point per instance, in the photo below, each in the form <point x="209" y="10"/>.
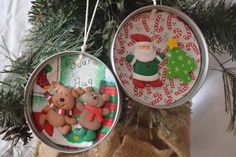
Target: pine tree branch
<point x="229" y="80"/>
<point x="217" y="21"/>
<point x="218" y="61"/>
<point x="11" y="113"/>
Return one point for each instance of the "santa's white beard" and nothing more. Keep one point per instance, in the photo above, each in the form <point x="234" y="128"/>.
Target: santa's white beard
<point x="144" y="55"/>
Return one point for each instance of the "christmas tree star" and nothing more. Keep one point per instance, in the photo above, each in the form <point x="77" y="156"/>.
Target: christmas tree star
<point x="172" y="43"/>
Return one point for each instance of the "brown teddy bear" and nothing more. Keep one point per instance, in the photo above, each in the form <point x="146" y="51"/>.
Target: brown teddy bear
<point x="59" y="112"/>
<point x="91" y="116"/>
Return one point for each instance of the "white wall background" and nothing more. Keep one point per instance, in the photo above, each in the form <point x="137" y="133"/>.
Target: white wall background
<point x="13" y="27"/>
<point x="209" y="121"/>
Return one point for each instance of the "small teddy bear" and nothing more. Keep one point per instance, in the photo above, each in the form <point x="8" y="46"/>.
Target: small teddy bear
<point x="59" y="112"/>
<point x="92" y="110"/>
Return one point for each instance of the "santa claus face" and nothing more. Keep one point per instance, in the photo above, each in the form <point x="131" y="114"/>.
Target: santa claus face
<point x="144" y="51"/>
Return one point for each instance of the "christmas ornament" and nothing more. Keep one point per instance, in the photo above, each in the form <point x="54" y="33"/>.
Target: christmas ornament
<point x="74" y="104"/>
<point x="72" y="99"/>
<point x="149" y="46"/>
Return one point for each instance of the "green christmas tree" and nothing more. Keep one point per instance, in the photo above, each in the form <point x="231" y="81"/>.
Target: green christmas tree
<point x="179" y="63"/>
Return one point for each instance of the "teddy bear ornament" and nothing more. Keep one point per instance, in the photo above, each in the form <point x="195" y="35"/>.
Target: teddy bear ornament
<point x="69" y="106"/>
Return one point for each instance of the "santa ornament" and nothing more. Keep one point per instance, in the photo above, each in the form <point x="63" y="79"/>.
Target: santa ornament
<point x="159" y="56"/>
<point x="145" y="62"/>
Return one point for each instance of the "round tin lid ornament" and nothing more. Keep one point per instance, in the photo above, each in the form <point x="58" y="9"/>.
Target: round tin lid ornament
<point x="72" y="99"/>
<point x="69" y="106"/>
<point x="159" y="56"/>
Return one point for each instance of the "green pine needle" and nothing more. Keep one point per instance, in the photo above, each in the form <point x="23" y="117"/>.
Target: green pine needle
<point x="217" y="21"/>
<point x="11" y="114"/>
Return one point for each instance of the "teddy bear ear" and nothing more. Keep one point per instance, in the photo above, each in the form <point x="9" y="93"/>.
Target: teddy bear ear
<point x="89" y="89"/>
<point x="55" y="84"/>
<point x="76" y="92"/>
<point x="106" y="97"/>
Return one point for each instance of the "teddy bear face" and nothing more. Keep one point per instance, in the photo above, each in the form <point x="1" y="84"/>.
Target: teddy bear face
<point x="95" y="99"/>
<point x="65" y="98"/>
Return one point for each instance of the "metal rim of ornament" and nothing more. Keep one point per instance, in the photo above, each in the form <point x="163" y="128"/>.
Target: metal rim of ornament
<point x="200" y="39"/>
<point x="28" y="104"/>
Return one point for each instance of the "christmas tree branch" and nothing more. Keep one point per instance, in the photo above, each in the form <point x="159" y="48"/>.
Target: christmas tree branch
<point x="217" y="60"/>
<point x="229" y="78"/>
<point x="217" y="21"/>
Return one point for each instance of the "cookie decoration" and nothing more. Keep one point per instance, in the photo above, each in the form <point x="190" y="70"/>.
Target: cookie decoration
<point x="145" y="62"/>
<point x="179" y="63"/>
<point x="159" y="56"/>
<point x="59" y="112"/>
<point x="92" y="110"/>
<point x="69" y="106"/>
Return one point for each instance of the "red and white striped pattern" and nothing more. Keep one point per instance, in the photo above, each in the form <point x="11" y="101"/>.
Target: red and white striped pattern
<point x="182" y="90"/>
<point x="158" y="98"/>
<point x="198" y="60"/>
<point x="61" y="111"/>
<point x="192" y="75"/>
<point x="172" y="83"/>
<point x="122" y="47"/>
<point x="156" y="37"/>
<point x="136" y="18"/>
<point x="194" y="47"/>
<point x="115" y="59"/>
<point x="145" y="18"/>
<point x="131" y="43"/>
<point x="122" y="60"/>
<point x="169" y="99"/>
<point x="189" y="33"/>
<point x="126" y="30"/>
<point x="169" y="20"/>
<point x="123" y="80"/>
<point x="157" y="26"/>
<point x="162" y="64"/>
<point x="163" y="77"/>
<point x="178" y="33"/>
<point x="138" y="92"/>
<point x="149" y="90"/>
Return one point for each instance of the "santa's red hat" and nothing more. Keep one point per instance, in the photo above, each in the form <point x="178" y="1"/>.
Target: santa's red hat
<point x="140" y="38"/>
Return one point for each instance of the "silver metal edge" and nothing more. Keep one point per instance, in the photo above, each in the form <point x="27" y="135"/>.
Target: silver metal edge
<point x="200" y="39"/>
<point x="28" y="108"/>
